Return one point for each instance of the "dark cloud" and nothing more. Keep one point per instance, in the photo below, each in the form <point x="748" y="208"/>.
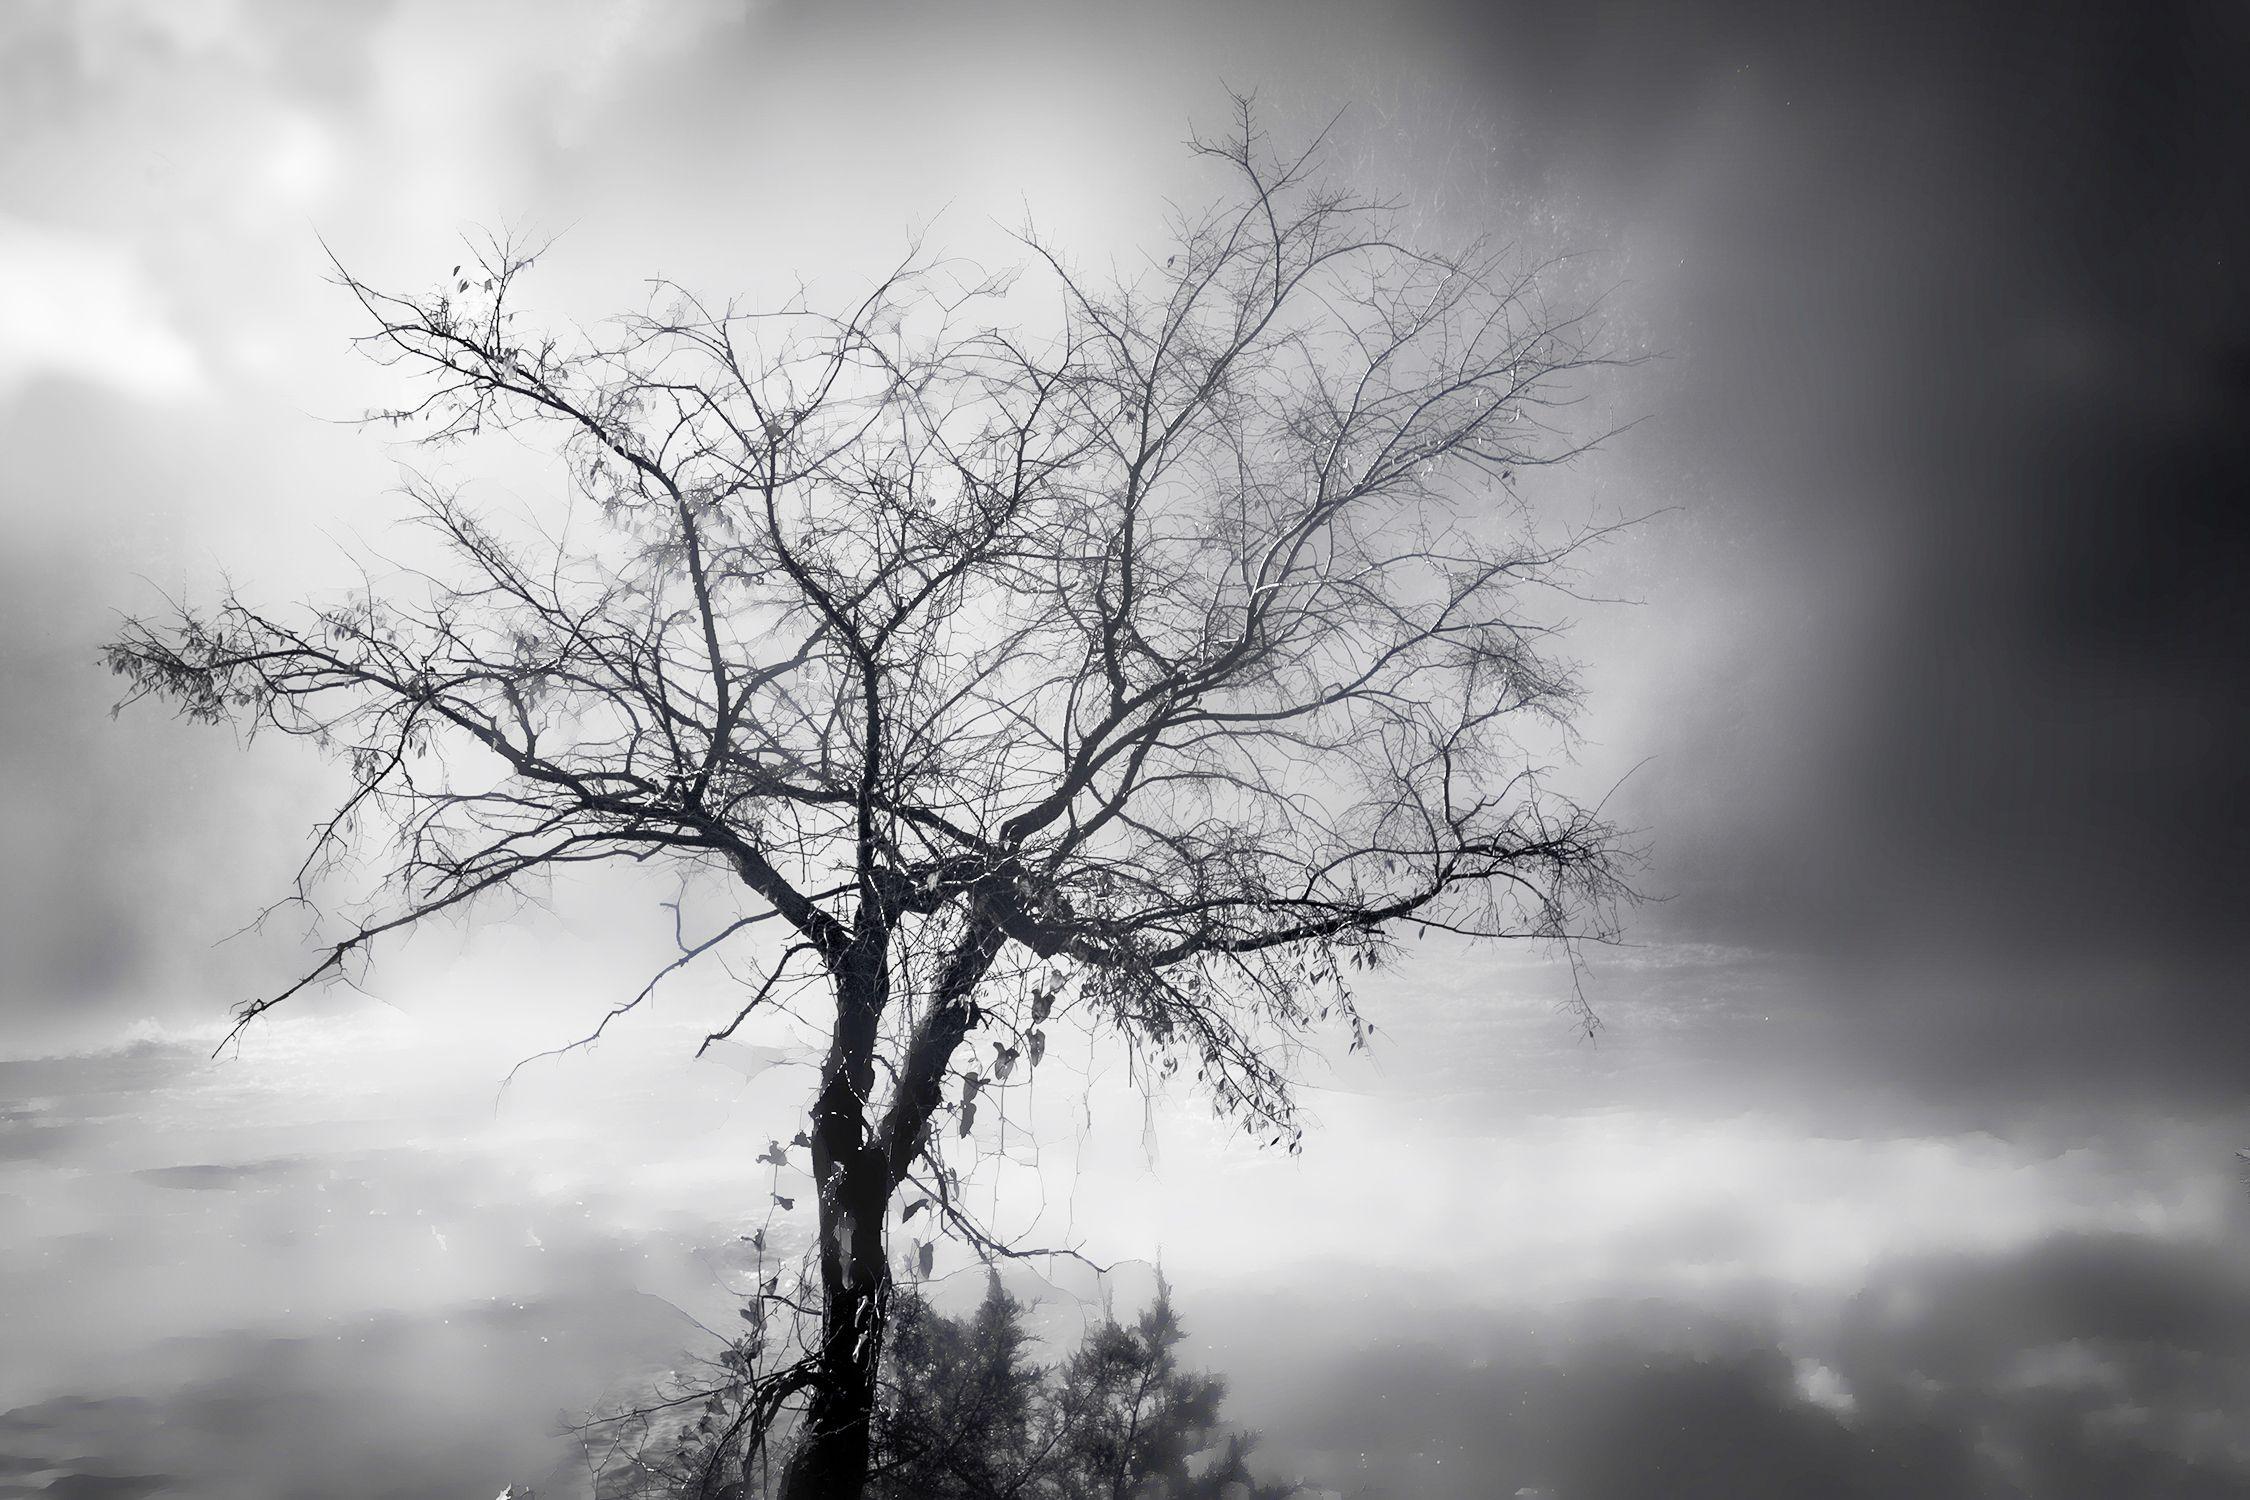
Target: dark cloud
<point x="40" y="1449"/>
<point x="2081" y="1366"/>
<point x="387" y="1407"/>
<point x="224" y="1176"/>
<point x="1954" y="659"/>
<point x="77" y="1486"/>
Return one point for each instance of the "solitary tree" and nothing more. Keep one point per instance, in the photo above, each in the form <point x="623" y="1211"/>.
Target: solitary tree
<point x="1157" y="656"/>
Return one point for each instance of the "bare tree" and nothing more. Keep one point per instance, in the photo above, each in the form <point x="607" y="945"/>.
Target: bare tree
<point x="1160" y="657"/>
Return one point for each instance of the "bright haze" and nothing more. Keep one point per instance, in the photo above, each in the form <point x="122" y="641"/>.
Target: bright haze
<point x="1903" y="1161"/>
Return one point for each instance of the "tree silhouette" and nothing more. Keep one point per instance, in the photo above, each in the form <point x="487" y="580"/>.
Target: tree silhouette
<point x="1135" y="1424"/>
<point x="966" y="1415"/>
<point x="1157" y="660"/>
<point x="965" y="1412"/>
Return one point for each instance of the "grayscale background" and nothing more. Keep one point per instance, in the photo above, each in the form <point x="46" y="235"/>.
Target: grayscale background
<point x="1904" y="1163"/>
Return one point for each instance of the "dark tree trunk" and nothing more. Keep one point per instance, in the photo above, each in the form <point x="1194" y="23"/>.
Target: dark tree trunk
<point x="832" y="1454"/>
<point x="857" y="1169"/>
<point x="853" y="1184"/>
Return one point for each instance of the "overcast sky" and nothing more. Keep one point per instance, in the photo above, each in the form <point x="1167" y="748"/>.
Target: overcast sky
<point x="1936" y="684"/>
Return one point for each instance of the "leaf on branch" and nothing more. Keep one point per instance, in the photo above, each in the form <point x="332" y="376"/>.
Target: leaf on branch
<point x="913" y="1208"/>
<point x="776" y="1154"/>
<point x="1003" y="1062"/>
<point x="1036" y="1045"/>
<point x="784" y="1202"/>
<point x="968" y="1116"/>
<point x="925" y="1257"/>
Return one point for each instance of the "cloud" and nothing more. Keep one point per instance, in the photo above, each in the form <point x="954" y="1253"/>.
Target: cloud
<point x="1598" y="1186"/>
<point x="1946" y="666"/>
<point x="457" y="1401"/>
<point x="82" y="307"/>
<point x="2082" y="1365"/>
<point x="1580" y="1303"/>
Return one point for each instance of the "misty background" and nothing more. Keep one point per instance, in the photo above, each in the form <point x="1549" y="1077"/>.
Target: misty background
<point x="1903" y="1162"/>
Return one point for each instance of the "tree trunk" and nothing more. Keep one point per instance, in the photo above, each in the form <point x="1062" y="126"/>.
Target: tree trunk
<point x="857" y="1169"/>
<point x="853" y="1187"/>
<point x="831" y="1458"/>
